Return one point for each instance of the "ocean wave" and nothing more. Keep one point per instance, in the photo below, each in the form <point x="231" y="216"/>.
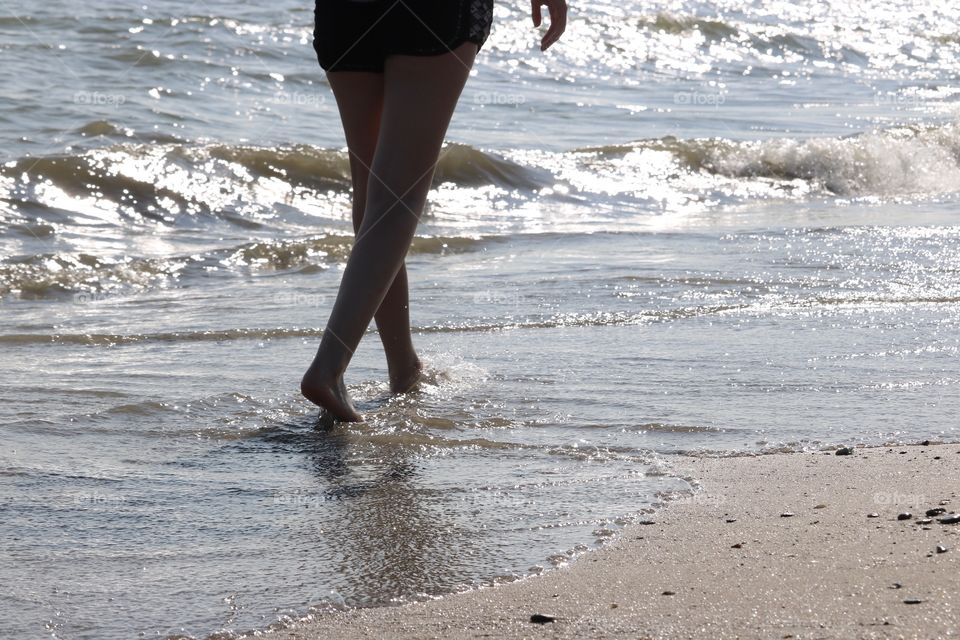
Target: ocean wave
<point x="278" y="187"/>
<point x="595" y="319"/>
<point x="750" y="37"/>
<point x="664" y="427"/>
<point x="107" y="129"/>
<point x="915" y="159"/>
<point x="764" y="304"/>
<point x="467" y="166"/>
<point x="910" y="159"/>
<point x="676" y="24"/>
<point x="85" y="275"/>
<point x="160" y="180"/>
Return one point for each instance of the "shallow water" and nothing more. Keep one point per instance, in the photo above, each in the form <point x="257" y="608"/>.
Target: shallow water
<point x="687" y="228"/>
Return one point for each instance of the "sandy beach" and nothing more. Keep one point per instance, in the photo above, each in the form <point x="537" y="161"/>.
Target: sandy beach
<point x="795" y="545"/>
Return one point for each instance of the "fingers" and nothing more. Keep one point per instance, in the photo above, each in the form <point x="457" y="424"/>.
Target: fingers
<point x="558" y="21"/>
<point x="535" y="11"/>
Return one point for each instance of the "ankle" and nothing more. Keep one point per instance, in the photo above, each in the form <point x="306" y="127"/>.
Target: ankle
<point x="402" y="366"/>
<point x="330" y="363"/>
<point x="322" y="372"/>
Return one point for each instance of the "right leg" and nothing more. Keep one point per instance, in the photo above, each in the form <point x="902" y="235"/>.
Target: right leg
<point x="420" y="95"/>
<point x="359" y="98"/>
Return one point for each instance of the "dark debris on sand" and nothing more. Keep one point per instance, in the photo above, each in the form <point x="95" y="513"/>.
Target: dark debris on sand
<point x="539" y="618"/>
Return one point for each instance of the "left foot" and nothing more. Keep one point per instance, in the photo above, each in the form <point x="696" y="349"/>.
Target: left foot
<point x="329" y="393"/>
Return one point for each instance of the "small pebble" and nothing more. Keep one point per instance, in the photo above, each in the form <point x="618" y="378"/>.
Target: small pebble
<point x="953" y="518"/>
<point x="669" y="593"/>
<point x="873" y="515"/>
<point x="942" y="549"/>
<point x="729" y="520"/>
<point x="539" y="618"/>
<point x="820" y="506"/>
<point x="647" y="522"/>
<point x="786" y="514"/>
<point x="925" y="443"/>
<point x="912" y="601"/>
<point x="614" y="605"/>
<point x="739" y="545"/>
<point x="936" y="457"/>
<point x="896" y="585"/>
<point x="906" y="515"/>
<point x="924" y="521"/>
<point x="943" y="502"/>
<point x="845" y="451"/>
<point x="935" y="512"/>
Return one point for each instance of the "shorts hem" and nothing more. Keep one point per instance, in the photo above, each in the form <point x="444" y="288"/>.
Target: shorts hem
<point x="378" y="67"/>
<point x="352" y="67"/>
<point x="437" y="50"/>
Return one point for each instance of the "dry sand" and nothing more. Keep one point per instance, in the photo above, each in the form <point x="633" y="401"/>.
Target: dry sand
<point x="827" y="571"/>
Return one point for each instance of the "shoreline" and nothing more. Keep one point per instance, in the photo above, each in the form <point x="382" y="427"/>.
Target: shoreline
<point x="727" y="562"/>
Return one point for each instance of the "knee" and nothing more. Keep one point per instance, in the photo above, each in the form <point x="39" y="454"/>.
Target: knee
<point x="393" y="187"/>
<point x="389" y="201"/>
<point x="359" y="206"/>
<point x="358" y="199"/>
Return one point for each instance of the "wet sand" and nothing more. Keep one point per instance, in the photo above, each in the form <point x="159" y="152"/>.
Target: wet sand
<point x="829" y="570"/>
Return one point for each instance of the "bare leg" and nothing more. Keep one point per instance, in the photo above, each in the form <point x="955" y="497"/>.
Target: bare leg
<point x="420" y="95"/>
<point x="359" y="98"/>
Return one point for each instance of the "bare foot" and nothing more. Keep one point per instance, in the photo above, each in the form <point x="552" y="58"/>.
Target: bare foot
<point x="402" y="382"/>
<point x="329" y="393"/>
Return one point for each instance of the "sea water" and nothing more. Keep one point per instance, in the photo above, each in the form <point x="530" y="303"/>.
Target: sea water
<point x="714" y="228"/>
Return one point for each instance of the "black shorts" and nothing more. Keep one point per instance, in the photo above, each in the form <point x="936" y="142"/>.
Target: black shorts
<point x="357" y="35"/>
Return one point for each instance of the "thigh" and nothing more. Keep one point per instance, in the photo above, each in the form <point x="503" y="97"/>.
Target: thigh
<point x="420" y="96"/>
<point x="359" y="97"/>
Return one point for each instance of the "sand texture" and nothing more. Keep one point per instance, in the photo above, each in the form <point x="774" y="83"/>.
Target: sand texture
<point x="829" y="570"/>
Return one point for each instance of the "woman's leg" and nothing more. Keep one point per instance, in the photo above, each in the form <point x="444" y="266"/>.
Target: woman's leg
<point x="359" y="98"/>
<point x="420" y="95"/>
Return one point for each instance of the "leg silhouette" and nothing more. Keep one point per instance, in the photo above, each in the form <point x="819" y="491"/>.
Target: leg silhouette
<point x="359" y="98"/>
<point x="420" y="94"/>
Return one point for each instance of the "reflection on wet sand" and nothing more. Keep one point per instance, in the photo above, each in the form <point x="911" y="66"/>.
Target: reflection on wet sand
<point x="391" y="535"/>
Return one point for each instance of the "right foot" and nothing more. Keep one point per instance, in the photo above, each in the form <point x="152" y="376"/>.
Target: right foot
<point x="406" y="381"/>
<point x="329" y="393"/>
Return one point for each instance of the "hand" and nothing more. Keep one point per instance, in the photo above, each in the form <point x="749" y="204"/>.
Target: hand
<point x="558" y="20"/>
